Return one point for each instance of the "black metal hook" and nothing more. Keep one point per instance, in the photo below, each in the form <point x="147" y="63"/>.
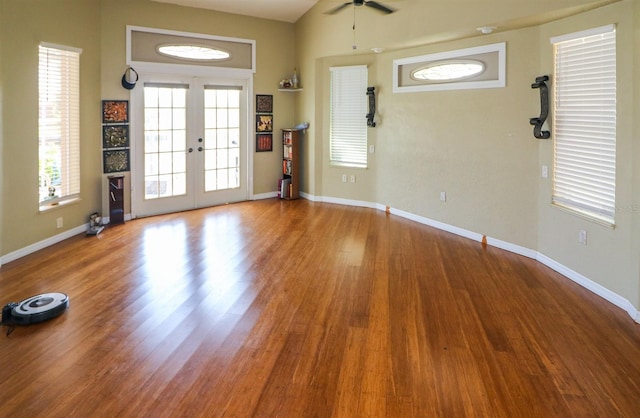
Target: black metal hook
<point x="544" y="108"/>
<point x="372" y="106"/>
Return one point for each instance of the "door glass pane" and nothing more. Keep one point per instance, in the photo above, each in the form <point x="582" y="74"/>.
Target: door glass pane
<point x="222" y="133"/>
<point x="165" y="141"/>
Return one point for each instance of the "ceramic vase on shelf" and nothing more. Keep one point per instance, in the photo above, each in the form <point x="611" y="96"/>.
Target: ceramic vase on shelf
<point x="294" y="79"/>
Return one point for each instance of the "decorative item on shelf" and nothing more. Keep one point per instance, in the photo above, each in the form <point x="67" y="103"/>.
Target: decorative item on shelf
<point x="294" y="79"/>
<point x="544" y="108"/>
<point x="285" y="84"/>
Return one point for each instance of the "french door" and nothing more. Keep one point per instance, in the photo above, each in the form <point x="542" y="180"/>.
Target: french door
<point x="190" y="144"/>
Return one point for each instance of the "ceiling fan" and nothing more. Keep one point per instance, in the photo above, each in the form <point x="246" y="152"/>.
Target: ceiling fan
<point x="369" y="3"/>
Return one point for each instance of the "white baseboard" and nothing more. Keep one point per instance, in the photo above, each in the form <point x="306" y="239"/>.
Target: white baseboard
<point x="262" y="196"/>
<point x="592" y="286"/>
<point x="43" y="244"/>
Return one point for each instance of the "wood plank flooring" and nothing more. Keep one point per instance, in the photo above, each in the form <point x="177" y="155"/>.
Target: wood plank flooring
<point x="299" y="309"/>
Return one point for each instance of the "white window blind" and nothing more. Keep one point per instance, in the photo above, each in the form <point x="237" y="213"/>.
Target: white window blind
<point x="59" y="123"/>
<point x="348" y="124"/>
<point x="584" y="122"/>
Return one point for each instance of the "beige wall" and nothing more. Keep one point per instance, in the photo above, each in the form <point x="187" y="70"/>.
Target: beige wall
<point x="611" y="256"/>
<point x="477" y="145"/>
<point x="98" y="27"/>
<point x="24" y="25"/>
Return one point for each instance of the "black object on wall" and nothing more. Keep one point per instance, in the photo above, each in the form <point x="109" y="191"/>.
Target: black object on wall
<point x="372" y="106"/>
<point x="544" y="108"/>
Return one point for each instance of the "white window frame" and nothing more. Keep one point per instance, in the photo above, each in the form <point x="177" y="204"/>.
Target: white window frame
<point x="59" y="121"/>
<point x="493" y="56"/>
<point x="584" y="123"/>
<point x="348" y="110"/>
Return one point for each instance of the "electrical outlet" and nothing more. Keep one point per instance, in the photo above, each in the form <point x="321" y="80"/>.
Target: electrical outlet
<point x="545" y="171"/>
<point x="443" y="196"/>
<point x="353" y="178"/>
<point x="582" y="237"/>
<point x="344" y="178"/>
<point x="59" y="223"/>
<point x="372" y="149"/>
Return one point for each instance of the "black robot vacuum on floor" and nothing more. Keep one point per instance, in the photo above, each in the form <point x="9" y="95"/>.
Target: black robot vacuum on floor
<point x="34" y="309"/>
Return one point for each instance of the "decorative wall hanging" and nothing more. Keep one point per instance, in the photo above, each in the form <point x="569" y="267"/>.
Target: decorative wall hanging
<point x="115" y="136"/>
<point x="544" y="108"/>
<point x="264" y="142"/>
<point x="116" y="160"/>
<point x="264" y="123"/>
<point x="264" y="103"/>
<point x="115" y="111"/>
<point x="372" y="107"/>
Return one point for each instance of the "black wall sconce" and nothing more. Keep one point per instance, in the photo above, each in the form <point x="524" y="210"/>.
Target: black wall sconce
<point x="372" y="107"/>
<point x="544" y="108"/>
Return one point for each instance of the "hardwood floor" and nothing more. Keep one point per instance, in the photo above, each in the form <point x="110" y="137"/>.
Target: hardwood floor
<point x="302" y="309"/>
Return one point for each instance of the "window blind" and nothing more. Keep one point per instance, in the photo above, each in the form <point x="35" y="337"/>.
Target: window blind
<point x="348" y="124"/>
<point x="59" y="122"/>
<point x="584" y="122"/>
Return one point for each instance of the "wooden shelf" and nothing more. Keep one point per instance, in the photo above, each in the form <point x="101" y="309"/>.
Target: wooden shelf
<point x="292" y="90"/>
<point x="289" y="187"/>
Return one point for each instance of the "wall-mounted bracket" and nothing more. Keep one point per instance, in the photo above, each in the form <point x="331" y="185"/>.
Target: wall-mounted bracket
<point x="372" y="106"/>
<point x="544" y="108"/>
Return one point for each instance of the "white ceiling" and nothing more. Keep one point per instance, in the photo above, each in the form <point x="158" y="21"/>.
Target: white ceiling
<point x="283" y="10"/>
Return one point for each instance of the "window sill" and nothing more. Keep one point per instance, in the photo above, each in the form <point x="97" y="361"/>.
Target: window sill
<point x="351" y="165"/>
<point x="47" y="207"/>
<point x="585" y="215"/>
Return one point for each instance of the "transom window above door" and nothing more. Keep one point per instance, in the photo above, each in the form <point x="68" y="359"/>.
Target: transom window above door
<point x="149" y="46"/>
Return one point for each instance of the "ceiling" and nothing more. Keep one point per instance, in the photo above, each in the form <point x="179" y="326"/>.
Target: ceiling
<point x="283" y="10"/>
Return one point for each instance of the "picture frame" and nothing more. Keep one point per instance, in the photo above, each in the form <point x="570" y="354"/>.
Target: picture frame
<point x="264" y="123"/>
<point x="115" y="136"/>
<point x="264" y="103"/>
<point x="115" y="161"/>
<point x="115" y="111"/>
<point x="264" y="142"/>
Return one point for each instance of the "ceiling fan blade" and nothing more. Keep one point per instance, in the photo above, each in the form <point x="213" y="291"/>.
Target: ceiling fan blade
<point x="380" y="7"/>
<point x="337" y="9"/>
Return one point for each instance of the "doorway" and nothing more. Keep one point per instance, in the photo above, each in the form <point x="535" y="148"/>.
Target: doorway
<point x="190" y="143"/>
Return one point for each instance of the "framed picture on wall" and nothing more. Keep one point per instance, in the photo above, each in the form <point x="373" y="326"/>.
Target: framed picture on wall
<point x="115" y="111"/>
<point x="264" y="142"/>
<point x="115" y="136"/>
<point x="264" y="103"/>
<point x="116" y="161"/>
<point x="264" y="123"/>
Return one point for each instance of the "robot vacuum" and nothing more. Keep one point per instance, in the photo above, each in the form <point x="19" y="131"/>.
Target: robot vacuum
<point x="35" y="309"/>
